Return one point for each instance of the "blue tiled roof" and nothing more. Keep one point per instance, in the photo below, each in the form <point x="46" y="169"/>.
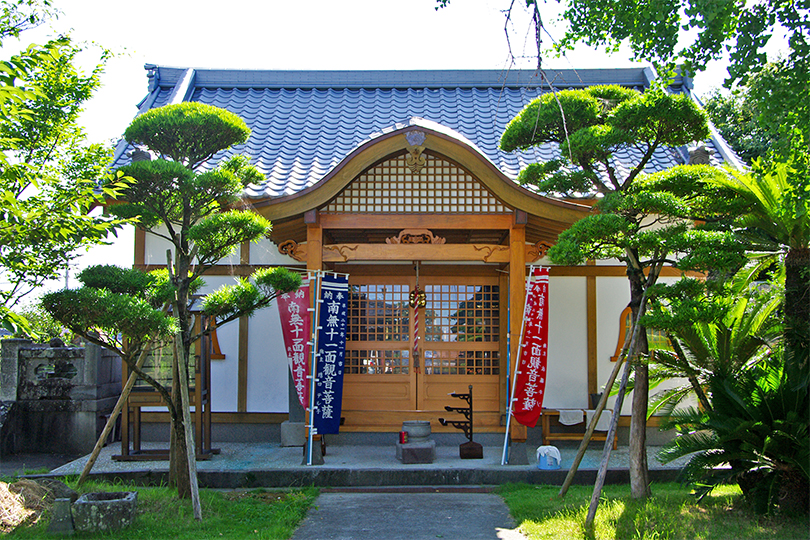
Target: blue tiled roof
<point x="303" y="123"/>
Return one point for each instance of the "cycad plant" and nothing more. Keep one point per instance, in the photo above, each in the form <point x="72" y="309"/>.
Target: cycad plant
<point x="778" y="218"/>
<point x="755" y="434"/>
<point x="747" y="330"/>
<point x="710" y="326"/>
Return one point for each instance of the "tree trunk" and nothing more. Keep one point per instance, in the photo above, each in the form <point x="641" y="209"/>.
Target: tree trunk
<point x="178" y="460"/>
<point x="639" y="473"/>
<point x="191" y="450"/>
<point x="797" y="313"/>
<point x="178" y="465"/>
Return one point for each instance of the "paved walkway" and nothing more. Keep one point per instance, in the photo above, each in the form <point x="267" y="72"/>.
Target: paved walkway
<point x="443" y="499"/>
<point x="393" y="516"/>
<point x="17" y="464"/>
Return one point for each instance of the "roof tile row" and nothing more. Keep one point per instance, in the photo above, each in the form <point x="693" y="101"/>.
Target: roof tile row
<point x="303" y="125"/>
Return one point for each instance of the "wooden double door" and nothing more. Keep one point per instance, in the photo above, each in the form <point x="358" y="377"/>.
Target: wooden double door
<point x="401" y="365"/>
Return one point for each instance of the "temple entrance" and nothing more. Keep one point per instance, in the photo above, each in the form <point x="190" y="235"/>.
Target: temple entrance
<point x="400" y="368"/>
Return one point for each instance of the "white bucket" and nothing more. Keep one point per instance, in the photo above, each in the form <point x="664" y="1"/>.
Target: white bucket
<point x="548" y="457"/>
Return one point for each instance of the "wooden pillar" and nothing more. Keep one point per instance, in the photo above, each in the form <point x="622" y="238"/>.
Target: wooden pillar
<point x="242" y="370"/>
<point x="517" y="297"/>
<point x="140" y="246"/>
<point x="314" y="240"/>
<point x="593" y="364"/>
<point x="244" y="253"/>
<point x="505" y="337"/>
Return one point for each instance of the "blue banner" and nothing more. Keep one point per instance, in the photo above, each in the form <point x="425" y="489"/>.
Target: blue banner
<point x="331" y="353"/>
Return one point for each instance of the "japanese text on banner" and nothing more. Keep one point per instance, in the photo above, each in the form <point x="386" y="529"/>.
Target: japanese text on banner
<point x="331" y="353"/>
<point x="293" y="309"/>
<point x="530" y="385"/>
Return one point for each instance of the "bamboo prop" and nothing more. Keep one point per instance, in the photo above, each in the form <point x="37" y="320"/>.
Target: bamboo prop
<point x="504" y="459"/>
<point x="313" y="368"/>
<point x="119" y="406"/>
<point x="191" y="454"/>
<point x="182" y="375"/>
<point x="586" y="439"/>
<point x="611" y="434"/>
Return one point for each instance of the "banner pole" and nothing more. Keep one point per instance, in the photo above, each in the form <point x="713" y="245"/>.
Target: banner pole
<point x="314" y="367"/>
<point x="517" y="367"/>
<point x="505" y="453"/>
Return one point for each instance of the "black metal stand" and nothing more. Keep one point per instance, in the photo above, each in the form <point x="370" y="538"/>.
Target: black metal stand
<point x="469" y="449"/>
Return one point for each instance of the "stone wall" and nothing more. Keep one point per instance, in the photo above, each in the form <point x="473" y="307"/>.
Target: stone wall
<point x="55" y="398"/>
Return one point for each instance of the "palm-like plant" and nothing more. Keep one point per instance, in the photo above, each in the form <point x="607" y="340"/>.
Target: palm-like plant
<point x="745" y="334"/>
<point x="778" y="217"/>
<point x="756" y="435"/>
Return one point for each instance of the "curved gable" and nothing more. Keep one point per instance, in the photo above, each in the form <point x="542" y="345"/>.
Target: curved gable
<point x="430" y="140"/>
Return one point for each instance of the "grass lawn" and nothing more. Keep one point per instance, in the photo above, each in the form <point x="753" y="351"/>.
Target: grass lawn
<point x="257" y="514"/>
<point x="672" y="513"/>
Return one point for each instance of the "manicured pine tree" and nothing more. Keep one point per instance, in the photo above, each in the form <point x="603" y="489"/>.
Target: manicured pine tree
<point x="195" y="212"/>
<point x="645" y="221"/>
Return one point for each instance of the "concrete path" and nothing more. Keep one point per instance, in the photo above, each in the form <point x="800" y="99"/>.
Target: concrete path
<point x="417" y="516"/>
<point x="18" y="464"/>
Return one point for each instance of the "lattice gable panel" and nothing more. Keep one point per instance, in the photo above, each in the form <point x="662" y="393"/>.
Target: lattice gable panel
<point x="440" y="187"/>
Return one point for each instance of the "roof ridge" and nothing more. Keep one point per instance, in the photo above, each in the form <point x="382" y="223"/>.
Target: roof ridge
<point x="438" y="78"/>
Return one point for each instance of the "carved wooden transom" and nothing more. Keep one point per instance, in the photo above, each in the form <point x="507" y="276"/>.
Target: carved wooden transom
<point x="415" y="236"/>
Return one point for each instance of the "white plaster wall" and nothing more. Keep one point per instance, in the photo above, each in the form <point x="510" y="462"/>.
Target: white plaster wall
<point x="224" y="373"/>
<point x="266" y="252"/>
<point x="155" y="250"/>
<point x="267" y="363"/>
<point x="612" y="296"/>
<point x="567" y="382"/>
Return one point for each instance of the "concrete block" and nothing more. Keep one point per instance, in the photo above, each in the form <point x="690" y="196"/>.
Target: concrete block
<point x="10" y="368"/>
<point x="293" y="433"/>
<point x="317" y="454"/>
<point x="418" y="452"/>
<point x="518" y="454"/>
<point x="94" y="512"/>
<point x="61" y="518"/>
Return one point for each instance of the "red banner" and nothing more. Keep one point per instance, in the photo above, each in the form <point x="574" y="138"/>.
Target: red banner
<point x="531" y="379"/>
<point x="293" y="309"/>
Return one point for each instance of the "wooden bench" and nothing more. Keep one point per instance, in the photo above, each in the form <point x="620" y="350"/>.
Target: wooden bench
<point x="546" y="417"/>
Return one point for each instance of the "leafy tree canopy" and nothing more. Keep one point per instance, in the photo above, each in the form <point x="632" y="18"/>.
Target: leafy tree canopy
<point x="757" y="118"/>
<point x="188" y="133"/>
<point x="194" y="210"/>
<point x="590" y="126"/>
<point x="692" y="32"/>
<point x="48" y="173"/>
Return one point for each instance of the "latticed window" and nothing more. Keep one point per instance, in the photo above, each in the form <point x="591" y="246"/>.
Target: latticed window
<point x="455" y="362"/>
<point x="462" y="329"/>
<point x="378" y="314"/>
<point x="462" y="313"/>
<point x="377" y="362"/>
<point x="440" y="187"/>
